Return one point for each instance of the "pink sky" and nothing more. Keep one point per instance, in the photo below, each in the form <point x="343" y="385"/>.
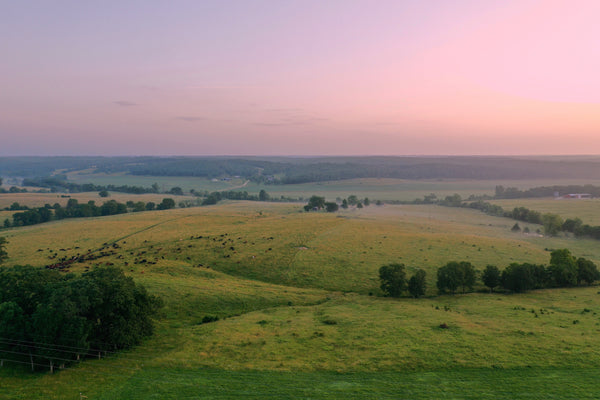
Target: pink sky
<point x="300" y="77"/>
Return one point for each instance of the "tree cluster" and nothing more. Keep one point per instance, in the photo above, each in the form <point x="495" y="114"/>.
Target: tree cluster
<point x="394" y="283"/>
<point x="553" y="223"/>
<point x="316" y="203"/>
<point x="49" y="319"/>
<point x="564" y="270"/>
<point x="215" y="197"/>
<point x="74" y="209"/>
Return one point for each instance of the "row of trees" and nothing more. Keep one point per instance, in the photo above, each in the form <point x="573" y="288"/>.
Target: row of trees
<point x="553" y="224"/>
<point x="48" y="319"/>
<point x="74" y="209"/>
<point x="215" y="197"/>
<point x="59" y="183"/>
<point x="394" y="283"/>
<point x="564" y="270"/>
<point x="316" y="203"/>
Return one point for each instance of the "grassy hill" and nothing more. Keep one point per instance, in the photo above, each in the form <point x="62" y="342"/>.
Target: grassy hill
<point x="300" y="312"/>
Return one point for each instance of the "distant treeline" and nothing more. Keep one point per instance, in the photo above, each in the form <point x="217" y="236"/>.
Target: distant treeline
<point x="73" y="209"/>
<point x="545" y="191"/>
<point x="50" y="320"/>
<point x="553" y="223"/>
<point x="288" y="170"/>
<point x="58" y="183"/>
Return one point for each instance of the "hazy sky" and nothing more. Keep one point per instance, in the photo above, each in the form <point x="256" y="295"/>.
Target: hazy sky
<point x="299" y="77"/>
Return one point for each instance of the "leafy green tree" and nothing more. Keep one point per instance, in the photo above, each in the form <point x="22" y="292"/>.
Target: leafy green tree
<point x="552" y="224"/>
<point x="393" y="279"/>
<point x="331" y="206"/>
<point x="352" y="200"/>
<point x="563" y="268"/>
<point x="587" y="271"/>
<point x="150" y="206"/>
<point x="121" y="310"/>
<point x="417" y="284"/>
<point x="454" y="275"/>
<point x="516" y="227"/>
<point x="491" y="277"/>
<point x="344" y="204"/>
<point x="367" y="202"/>
<point x="572" y="225"/>
<point x="166" y="204"/>
<point x="315" y="202"/>
<point x="359" y="205"/>
<point x="103" y="193"/>
<point x="3" y="253"/>
<point x="176" y="190"/>
<point x="523" y="277"/>
<point x="263" y="195"/>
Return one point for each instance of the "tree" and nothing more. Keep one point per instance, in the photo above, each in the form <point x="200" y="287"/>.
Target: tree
<point x="103" y="193"/>
<point x="359" y="205"/>
<point x="344" y="204"/>
<point x="522" y="277"/>
<point x="393" y="279"/>
<point x="352" y="200"/>
<point x="563" y="268"/>
<point x="367" y="202"/>
<point x="586" y="271"/>
<point x="417" y="284"/>
<point x="516" y="227"/>
<point x="166" y="204"/>
<point x="553" y="224"/>
<point x="315" y="202"/>
<point x="150" y="205"/>
<point x="491" y="277"/>
<point x="176" y="190"/>
<point x="454" y="275"/>
<point x="331" y="206"/>
<point x="3" y="253"/>
<point x="263" y="195"/>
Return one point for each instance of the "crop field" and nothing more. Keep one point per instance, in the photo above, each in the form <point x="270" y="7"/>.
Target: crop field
<point x="300" y="310"/>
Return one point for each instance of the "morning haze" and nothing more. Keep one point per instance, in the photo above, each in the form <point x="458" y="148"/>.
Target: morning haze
<point x="298" y="78"/>
<point x="342" y="199"/>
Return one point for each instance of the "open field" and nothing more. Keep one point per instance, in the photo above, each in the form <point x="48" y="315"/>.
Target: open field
<point x="164" y="182"/>
<point x="292" y="291"/>
<point x="374" y="188"/>
<point x="588" y="210"/>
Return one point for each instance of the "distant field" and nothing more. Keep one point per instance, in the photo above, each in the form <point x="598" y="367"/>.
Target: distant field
<point x="165" y="183"/>
<point x="300" y="308"/>
<point x="379" y="189"/>
<point x="588" y="210"/>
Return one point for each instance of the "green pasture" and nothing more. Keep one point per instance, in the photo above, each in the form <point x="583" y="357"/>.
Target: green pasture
<point x="588" y="210"/>
<point x="300" y="312"/>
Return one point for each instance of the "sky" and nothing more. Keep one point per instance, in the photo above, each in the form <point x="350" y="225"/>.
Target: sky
<point x="282" y="77"/>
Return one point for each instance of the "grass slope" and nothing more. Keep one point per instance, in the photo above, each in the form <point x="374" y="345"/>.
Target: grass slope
<point x="291" y="291"/>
